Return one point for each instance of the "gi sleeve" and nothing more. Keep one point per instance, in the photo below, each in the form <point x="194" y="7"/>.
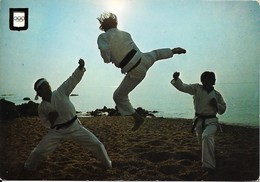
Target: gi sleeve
<point x="103" y="46"/>
<point x="221" y="103"/>
<point x="186" y="88"/>
<point x="68" y="86"/>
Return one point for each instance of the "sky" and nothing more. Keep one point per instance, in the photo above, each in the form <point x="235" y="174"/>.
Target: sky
<point x="219" y="36"/>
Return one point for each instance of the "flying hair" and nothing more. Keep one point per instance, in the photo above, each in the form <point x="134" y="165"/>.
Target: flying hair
<point x="107" y="21"/>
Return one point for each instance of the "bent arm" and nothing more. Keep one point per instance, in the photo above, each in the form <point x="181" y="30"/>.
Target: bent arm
<point x="103" y="46"/>
<point x="186" y="88"/>
<point x="105" y="54"/>
<point x="221" y="105"/>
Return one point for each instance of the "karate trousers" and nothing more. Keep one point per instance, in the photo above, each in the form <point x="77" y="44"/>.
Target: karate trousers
<point x="134" y="77"/>
<point x="207" y="142"/>
<point x="76" y="132"/>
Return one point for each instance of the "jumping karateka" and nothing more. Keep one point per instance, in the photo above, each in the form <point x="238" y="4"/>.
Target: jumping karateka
<point x="117" y="47"/>
<point x="207" y="103"/>
<point x="58" y="113"/>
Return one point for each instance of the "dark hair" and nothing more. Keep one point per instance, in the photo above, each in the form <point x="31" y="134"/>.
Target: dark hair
<point x="37" y="83"/>
<point x="207" y="76"/>
<point x="107" y="21"/>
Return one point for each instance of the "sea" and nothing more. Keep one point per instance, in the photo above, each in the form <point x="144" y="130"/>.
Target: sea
<point x="242" y="102"/>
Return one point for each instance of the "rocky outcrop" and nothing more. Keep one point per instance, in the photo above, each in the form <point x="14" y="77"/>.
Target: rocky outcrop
<point x="28" y="109"/>
<point x="26" y="98"/>
<point x="145" y="113"/>
<point x="8" y="110"/>
<point x="114" y="112"/>
<point x="105" y="112"/>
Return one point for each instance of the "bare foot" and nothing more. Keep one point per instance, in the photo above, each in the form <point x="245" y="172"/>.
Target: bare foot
<point x="178" y="50"/>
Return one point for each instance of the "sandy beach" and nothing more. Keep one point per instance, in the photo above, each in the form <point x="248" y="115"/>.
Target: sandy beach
<point x="162" y="149"/>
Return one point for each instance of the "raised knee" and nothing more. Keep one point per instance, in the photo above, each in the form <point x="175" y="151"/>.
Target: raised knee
<point x="118" y="97"/>
<point x="115" y="96"/>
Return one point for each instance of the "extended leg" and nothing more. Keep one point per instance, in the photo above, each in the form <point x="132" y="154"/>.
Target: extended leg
<point x="88" y="140"/>
<point x="46" y="145"/>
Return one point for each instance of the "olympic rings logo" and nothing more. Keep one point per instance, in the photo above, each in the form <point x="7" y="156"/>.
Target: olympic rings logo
<point x="19" y="18"/>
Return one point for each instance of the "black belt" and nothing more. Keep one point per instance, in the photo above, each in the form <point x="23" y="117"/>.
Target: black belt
<point x="127" y="58"/>
<point x="136" y="64"/>
<point x="65" y="125"/>
<point x="203" y="117"/>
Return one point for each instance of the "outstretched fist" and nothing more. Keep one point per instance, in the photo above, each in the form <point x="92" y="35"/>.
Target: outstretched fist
<point x="81" y="63"/>
<point x="176" y="75"/>
<point x="178" y="50"/>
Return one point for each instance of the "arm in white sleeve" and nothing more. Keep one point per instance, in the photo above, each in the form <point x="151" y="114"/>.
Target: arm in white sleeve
<point x="105" y="54"/>
<point x="67" y="86"/>
<point x="179" y="85"/>
<point x="103" y="46"/>
<point x="220" y="103"/>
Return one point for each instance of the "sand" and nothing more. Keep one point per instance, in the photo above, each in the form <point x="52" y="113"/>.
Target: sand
<point x="162" y="149"/>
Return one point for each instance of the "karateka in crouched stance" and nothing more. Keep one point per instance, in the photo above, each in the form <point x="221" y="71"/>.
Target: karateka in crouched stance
<point x="58" y="114"/>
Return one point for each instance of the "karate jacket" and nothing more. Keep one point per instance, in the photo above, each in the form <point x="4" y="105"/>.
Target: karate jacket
<point x="60" y="101"/>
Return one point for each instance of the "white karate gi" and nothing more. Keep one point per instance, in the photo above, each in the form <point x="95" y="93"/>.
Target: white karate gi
<point x="61" y="103"/>
<point x="201" y="99"/>
<point x="114" y="45"/>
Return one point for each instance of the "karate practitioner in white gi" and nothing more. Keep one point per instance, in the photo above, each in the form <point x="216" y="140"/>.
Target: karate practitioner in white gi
<point x="58" y="113"/>
<point x="117" y="47"/>
<point x="207" y="103"/>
